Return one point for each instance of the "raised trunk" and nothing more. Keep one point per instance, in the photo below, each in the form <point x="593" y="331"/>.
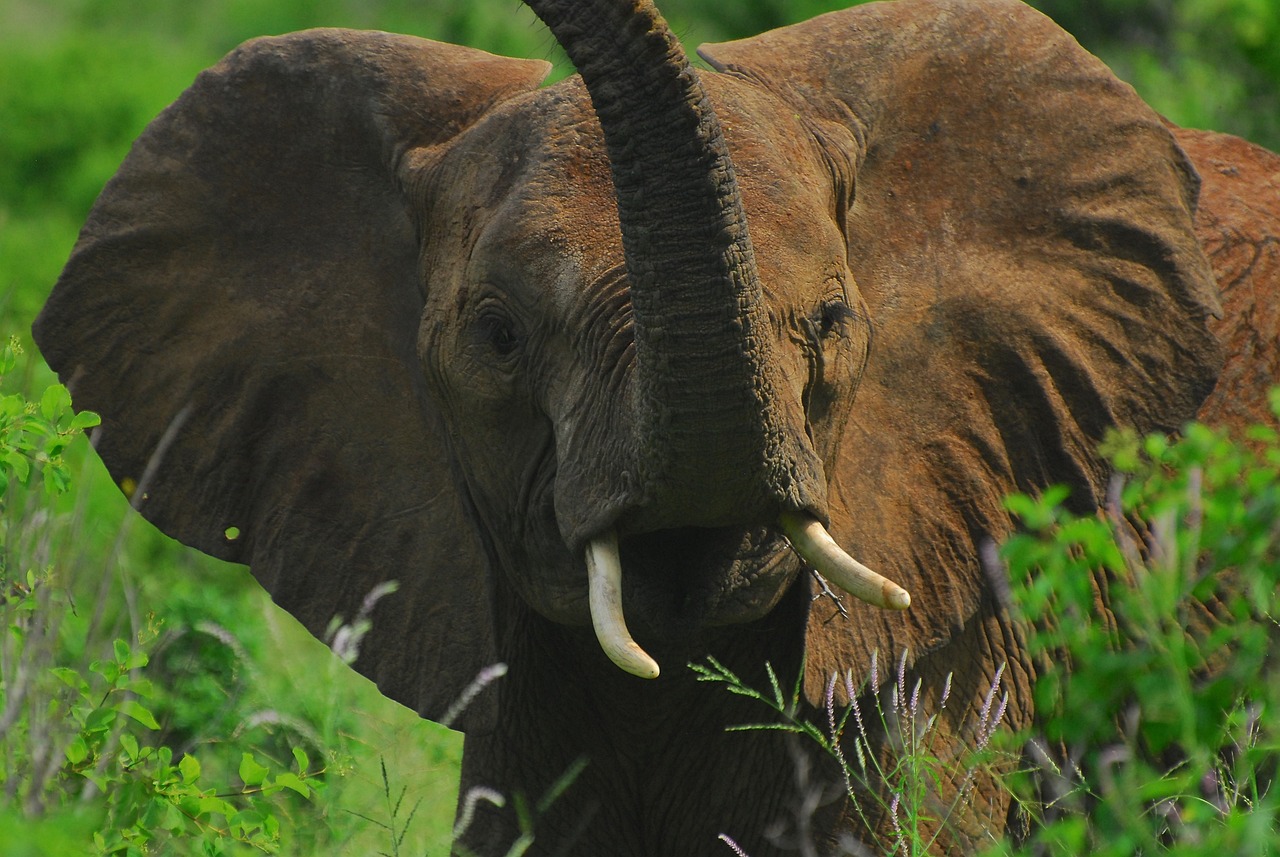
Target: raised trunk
<point x="731" y="440"/>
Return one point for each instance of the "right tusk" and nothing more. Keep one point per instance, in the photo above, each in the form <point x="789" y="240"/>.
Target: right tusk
<point x="604" y="580"/>
<point x="815" y="546"/>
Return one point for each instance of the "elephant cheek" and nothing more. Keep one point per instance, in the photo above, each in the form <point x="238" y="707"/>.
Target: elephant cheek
<point x="540" y="570"/>
<point x="561" y="605"/>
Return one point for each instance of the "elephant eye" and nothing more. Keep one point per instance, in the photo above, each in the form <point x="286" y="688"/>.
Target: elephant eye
<point x="832" y="317"/>
<point x="499" y="331"/>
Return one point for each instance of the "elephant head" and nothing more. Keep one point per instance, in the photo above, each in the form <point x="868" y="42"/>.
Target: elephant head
<point x="361" y="307"/>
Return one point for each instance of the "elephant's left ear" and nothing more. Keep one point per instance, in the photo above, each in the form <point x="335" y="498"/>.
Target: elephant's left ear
<point x="1021" y="227"/>
<point x="242" y="308"/>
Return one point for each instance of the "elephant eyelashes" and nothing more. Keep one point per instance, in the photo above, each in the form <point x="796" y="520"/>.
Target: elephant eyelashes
<point x="832" y="318"/>
<point x="500" y="332"/>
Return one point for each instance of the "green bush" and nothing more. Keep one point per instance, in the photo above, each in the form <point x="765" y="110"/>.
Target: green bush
<point x="1159" y="696"/>
<point x="85" y="762"/>
<point x="151" y="701"/>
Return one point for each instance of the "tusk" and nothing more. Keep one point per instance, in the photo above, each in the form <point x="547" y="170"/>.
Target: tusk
<point x="815" y="546"/>
<point x="604" y="579"/>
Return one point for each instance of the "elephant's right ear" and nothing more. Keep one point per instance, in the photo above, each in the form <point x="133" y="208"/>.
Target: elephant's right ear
<point x="242" y="308"/>
<point x="1020" y="226"/>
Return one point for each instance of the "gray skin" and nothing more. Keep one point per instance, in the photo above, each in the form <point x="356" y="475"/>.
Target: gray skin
<point x="394" y="313"/>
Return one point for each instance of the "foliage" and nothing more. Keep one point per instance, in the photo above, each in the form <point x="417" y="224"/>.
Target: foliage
<point x="33" y="436"/>
<point x="138" y="795"/>
<point x="1160" y="698"/>
<point x="83" y="742"/>
<point x="124" y="732"/>
<point x="888" y="744"/>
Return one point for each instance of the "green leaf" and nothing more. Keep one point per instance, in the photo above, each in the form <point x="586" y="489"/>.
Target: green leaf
<point x="188" y="803"/>
<point x="12" y="405"/>
<point x="300" y="756"/>
<point x="56" y="481"/>
<point x="71" y="679"/>
<point x="251" y="773"/>
<point x="84" y="420"/>
<point x="138" y="712"/>
<point x="292" y="781"/>
<point x="212" y="805"/>
<point x="99" y="720"/>
<point x="130" y="745"/>
<point x="135" y="660"/>
<point x="77" y="751"/>
<point x="55" y="400"/>
<point x="9" y="355"/>
<point x="171" y="819"/>
<point x="246" y="821"/>
<point x="19" y="464"/>
<point x="189" y="767"/>
<point x="109" y="670"/>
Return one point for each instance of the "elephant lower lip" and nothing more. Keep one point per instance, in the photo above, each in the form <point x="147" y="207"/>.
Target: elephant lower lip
<point x="687" y="578"/>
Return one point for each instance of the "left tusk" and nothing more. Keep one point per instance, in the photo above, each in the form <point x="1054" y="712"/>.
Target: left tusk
<point x="604" y="580"/>
<point x="815" y="546"/>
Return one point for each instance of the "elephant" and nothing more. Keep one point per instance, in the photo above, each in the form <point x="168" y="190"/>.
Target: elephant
<point x="1238" y="221"/>
<point x="613" y="375"/>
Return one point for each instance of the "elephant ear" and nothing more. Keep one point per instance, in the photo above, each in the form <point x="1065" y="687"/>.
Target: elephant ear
<point x="242" y="308"/>
<point x="1020" y="225"/>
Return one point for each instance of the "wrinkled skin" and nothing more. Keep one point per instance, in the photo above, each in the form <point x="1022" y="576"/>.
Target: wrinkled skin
<point x="1238" y="221"/>
<point x="364" y="298"/>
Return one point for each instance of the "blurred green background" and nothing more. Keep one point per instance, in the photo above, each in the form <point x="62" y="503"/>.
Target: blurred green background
<point x="79" y="79"/>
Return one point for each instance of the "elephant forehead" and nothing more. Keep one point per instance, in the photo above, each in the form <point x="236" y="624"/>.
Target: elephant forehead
<point x="550" y="220"/>
<point x="552" y="237"/>
<point x="779" y="163"/>
<point x="555" y="226"/>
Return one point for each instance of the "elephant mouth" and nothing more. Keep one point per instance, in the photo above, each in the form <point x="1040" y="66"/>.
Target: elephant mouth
<point x="680" y="580"/>
<point x="683" y="579"/>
